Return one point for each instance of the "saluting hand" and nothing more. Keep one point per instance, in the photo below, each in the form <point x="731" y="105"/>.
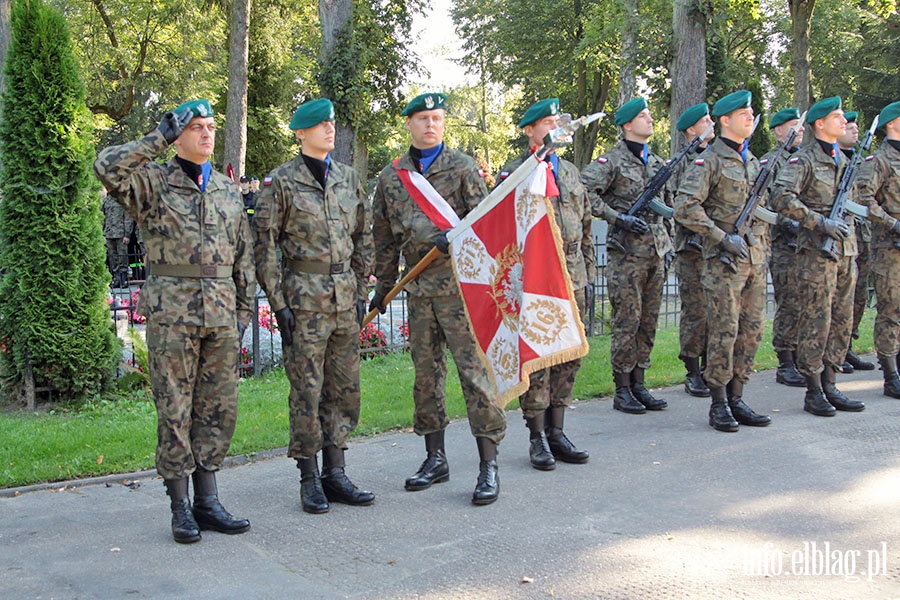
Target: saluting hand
<point x="172" y="125"/>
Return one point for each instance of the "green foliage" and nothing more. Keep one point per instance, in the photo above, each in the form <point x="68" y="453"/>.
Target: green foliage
<point x="53" y="312"/>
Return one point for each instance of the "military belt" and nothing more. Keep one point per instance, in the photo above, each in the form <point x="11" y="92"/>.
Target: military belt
<point x="193" y="271"/>
<point x="316" y="267"/>
<point x="573" y="247"/>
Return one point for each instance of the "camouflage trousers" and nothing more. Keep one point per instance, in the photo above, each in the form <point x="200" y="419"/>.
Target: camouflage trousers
<point x="692" y="328"/>
<point x="552" y="386"/>
<point x="635" y="293"/>
<point x="322" y="367"/>
<point x="861" y="292"/>
<point x="826" y="310"/>
<point x="194" y="376"/>
<point x="786" y="286"/>
<point x="434" y="324"/>
<point x="735" y="313"/>
<point x="886" y="271"/>
<point x="117" y="255"/>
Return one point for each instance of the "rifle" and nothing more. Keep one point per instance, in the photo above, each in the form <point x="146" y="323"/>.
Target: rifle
<point x="647" y="200"/>
<point x="840" y="208"/>
<point x="760" y="187"/>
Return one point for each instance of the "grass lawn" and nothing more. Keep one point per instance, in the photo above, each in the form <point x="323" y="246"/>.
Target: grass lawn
<point x="114" y="436"/>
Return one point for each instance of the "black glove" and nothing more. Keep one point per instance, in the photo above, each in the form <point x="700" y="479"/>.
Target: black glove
<point x="790" y="227"/>
<point x="377" y="301"/>
<point x="632" y="224"/>
<point x="285" y="320"/>
<point x="360" y="311"/>
<point x="834" y="229"/>
<point x="172" y="125"/>
<point x="241" y="329"/>
<point x="735" y="245"/>
<point x="895" y="228"/>
<point x="669" y="259"/>
<point x="442" y="243"/>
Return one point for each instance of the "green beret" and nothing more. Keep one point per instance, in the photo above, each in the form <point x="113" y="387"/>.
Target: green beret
<point x="783" y="116"/>
<point x="200" y="108"/>
<point x="691" y="116"/>
<point x="823" y="108"/>
<point x="851" y="116"/>
<point x="539" y="110"/>
<point x="889" y="113"/>
<point x="630" y="110"/>
<point x="732" y="102"/>
<point x="310" y="114"/>
<point x="429" y="101"/>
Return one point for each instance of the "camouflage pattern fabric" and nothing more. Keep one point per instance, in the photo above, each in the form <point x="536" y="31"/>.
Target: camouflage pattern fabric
<point x="863" y="270"/>
<point x="191" y="321"/>
<point x="710" y="198"/>
<point x="436" y="313"/>
<point x="117" y="223"/>
<point x="329" y="231"/>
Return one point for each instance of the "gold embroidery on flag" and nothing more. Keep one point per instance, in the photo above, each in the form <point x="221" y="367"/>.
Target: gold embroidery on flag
<point x="469" y="259"/>
<point x="549" y="319"/>
<point x="507" y="285"/>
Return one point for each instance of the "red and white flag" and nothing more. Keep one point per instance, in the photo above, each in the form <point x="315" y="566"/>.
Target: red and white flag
<point x="518" y="295"/>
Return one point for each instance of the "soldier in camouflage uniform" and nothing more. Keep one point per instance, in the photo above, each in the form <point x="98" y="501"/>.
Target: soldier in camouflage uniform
<point x="804" y="191"/>
<point x="436" y="312"/>
<point x="117" y="228"/>
<point x="635" y="277"/>
<point x="847" y="143"/>
<point x="878" y="185"/>
<point x="710" y="198"/>
<point x="313" y="209"/>
<point x="544" y="404"/>
<point x="785" y="281"/>
<point x="197" y="301"/>
<point x="689" y="262"/>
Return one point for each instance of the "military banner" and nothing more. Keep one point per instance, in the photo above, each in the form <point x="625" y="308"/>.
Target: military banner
<point x="517" y="292"/>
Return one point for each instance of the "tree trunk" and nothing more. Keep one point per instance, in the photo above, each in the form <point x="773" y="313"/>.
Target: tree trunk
<point x="236" y="109"/>
<point x="689" y="62"/>
<point x="801" y="16"/>
<point x="335" y="16"/>
<point x="627" y="80"/>
<point x="586" y="137"/>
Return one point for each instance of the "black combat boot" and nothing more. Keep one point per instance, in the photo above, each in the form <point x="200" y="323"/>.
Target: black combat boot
<point x="560" y="445"/>
<point x="487" y="488"/>
<point x="856" y="362"/>
<point x="835" y="397"/>
<point x="720" y="417"/>
<point x="435" y="468"/>
<point x="624" y="400"/>
<point x="891" y="378"/>
<point x="641" y="394"/>
<point x="184" y="527"/>
<point x="312" y="498"/>
<point x="742" y="413"/>
<point x="814" y="401"/>
<point x="335" y="483"/>
<point x="538" y="450"/>
<point x="787" y="373"/>
<point x="694" y="383"/>
<point x="208" y="511"/>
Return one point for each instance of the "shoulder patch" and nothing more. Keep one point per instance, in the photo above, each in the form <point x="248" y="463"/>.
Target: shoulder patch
<point x="602" y="160"/>
<point x="267" y="180"/>
<point x="794" y="159"/>
<point x="870" y="157"/>
<point x="763" y="161"/>
<point x="700" y="161"/>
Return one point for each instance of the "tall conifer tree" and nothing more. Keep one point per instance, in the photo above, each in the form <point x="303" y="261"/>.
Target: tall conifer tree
<point x="54" y="322"/>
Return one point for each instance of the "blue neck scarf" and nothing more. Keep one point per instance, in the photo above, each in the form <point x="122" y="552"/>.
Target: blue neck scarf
<point x="553" y="159"/>
<point x="836" y="153"/>
<point x="429" y="155"/>
<point x="206" y="171"/>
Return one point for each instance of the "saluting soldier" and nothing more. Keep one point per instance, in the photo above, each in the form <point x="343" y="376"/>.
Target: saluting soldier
<point x="117" y="228"/>
<point x="847" y="143"/>
<point x="785" y="280"/>
<point x="710" y="199"/>
<point x="689" y="262"/>
<point x="437" y="316"/>
<point x="879" y="189"/>
<point x="636" y="276"/>
<point x="805" y="191"/>
<point x="544" y="404"/>
<point x="197" y="301"/>
<point x="314" y="211"/>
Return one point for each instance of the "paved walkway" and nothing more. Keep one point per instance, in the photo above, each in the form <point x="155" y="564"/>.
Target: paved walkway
<point x="666" y="508"/>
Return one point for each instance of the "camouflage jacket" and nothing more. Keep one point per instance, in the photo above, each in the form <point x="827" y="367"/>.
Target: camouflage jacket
<point x="318" y="228"/>
<point x="776" y="231"/>
<point x="180" y="227"/>
<point x="400" y="225"/>
<point x="712" y="195"/>
<point x="681" y="233"/>
<point x="804" y="191"/>
<point x="614" y="182"/>
<point x="572" y="210"/>
<point x="117" y="224"/>
<point x="878" y="186"/>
